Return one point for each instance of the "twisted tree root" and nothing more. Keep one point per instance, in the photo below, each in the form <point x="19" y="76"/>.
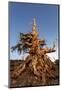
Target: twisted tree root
<point x="18" y="70"/>
<point x="38" y="65"/>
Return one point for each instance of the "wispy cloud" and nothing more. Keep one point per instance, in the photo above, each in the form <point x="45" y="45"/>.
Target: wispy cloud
<point x="54" y="55"/>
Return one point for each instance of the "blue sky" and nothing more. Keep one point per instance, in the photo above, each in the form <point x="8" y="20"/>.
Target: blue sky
<point x="21" y="17"/>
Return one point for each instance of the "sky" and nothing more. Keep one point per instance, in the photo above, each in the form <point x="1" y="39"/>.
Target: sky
<point x="21" y="16"/>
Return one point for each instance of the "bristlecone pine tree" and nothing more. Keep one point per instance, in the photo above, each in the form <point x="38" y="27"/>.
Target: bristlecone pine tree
<point x="37" y="60"/>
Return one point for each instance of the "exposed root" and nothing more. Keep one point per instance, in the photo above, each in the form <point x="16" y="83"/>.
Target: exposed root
<point x="18" y="70"/>
<point x="40" y="66"/>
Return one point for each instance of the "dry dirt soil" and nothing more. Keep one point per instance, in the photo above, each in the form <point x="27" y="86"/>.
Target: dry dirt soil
<point x="27" y="78"/>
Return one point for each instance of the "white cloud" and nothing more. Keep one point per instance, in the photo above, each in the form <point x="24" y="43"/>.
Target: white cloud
<point x="54" y="55"/>
<point x="22" y="56"/>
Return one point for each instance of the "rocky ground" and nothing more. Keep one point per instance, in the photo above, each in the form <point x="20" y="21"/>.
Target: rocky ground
<point x="27" y="78"/>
